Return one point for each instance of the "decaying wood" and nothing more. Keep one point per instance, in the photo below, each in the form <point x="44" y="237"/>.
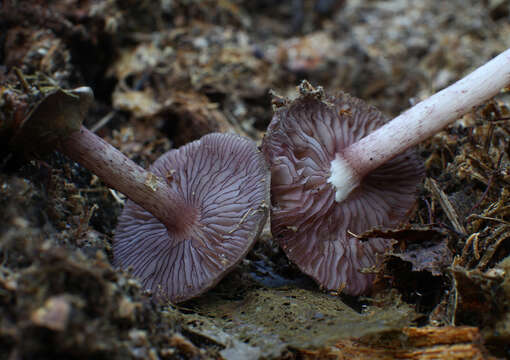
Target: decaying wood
<point x="414" y="343"/>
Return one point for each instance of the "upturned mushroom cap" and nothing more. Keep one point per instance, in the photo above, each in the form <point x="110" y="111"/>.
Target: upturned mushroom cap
<point x="315" y="231"/>
<point x="223" y="183"/>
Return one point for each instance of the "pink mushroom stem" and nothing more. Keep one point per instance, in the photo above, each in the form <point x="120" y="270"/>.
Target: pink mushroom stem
<point x="419" y="123"/>
<point x="143" y="187"/>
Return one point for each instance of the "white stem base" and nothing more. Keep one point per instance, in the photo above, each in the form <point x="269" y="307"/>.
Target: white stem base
<point x="343" y="178"/>
<point x="429" y="116"/>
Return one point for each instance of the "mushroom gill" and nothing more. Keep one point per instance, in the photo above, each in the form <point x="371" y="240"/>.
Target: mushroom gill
<point x="315" y="231"/>
<point x="222" y="181"/>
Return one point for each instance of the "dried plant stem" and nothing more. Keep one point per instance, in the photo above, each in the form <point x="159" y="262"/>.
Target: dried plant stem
<point x="146" y="189"/>
<point x="423" y="120"/>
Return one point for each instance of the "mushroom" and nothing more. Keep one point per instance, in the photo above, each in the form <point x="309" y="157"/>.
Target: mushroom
<point x="338" y="170"/>
<point x="190" y="219"/>
<point x="220" y="194"/>
<point x="315" y="231"/>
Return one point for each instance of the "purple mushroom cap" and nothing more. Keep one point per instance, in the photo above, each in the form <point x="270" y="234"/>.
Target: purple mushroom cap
<point x="315" y="231"/>
<point x="224" y="179"/>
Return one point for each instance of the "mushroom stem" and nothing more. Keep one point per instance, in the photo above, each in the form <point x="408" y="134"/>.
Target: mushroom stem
<point x="418" y="123"/>
<point x="119" y="172"/>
